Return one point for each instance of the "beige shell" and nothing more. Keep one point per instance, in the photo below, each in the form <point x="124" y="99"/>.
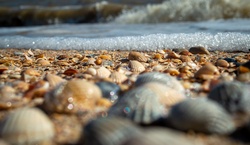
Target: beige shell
<point x="167" y="96"/>
<point x="91" y="71"/>
<point x="222" y="63"/>
<point x="72" y="96"/>
<point x="136" y="66"/>
<point x="102" y="72"/>
<point x="207" y="71"/>
<point x="117" y="77"/>
<point x="53" y="80"/>
<point x="133" y="55"/>
<point x="27" y="126"/>
<point x="43" y="62"/>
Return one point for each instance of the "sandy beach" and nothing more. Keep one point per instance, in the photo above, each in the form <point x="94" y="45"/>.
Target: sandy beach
<point x="28" y="75"/>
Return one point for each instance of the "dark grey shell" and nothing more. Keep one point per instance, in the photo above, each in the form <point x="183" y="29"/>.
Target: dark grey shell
<point x="140" y="105"/>
<point x="233" y="96"/>
<point x="109" y="131"/>
<point x="201" y="115"/>
<point x="161" y="136"/>
<point x="165" y="79"/>
<point x="109" y="90"/>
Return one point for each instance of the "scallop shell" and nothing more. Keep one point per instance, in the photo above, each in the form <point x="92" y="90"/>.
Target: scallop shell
<point x="133" y="55"/>
<point x="140" y="105"/>
<point x="109" y="90"/>
<point x="165" y="79"/>
<point x="207" y="71"/>
<point x="161" y="136"/>
<point x="136" y="66"/>
<point x="53" y="80"/>
<point x="167" y="96"/>
<point x="109" y="131"/>
<point x="102" y="72"/>
<point x="72" y="96"/>
<point x="233" y="96"/>
<point x="19" y="129"/>
<point x="201" y="115"/>
<point x="117" y="77"/>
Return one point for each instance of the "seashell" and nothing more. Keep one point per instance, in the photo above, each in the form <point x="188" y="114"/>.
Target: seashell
<point x="185" y="58"/>
<point x="70" y="72"/>
<point x="3" y="68"/>
<point x="244" y="77"/>
<point x="198" y="50"/>
<point x="31" y="72"/>
<point x="172" y="71"/>
<point x="133" y="55"/>
<point x="19" y="129"/>
<point x="61" y="57"/>
<point x="158" y="56"/>
<point x="136" y="66"/>
<point x="62" y="63"/>
<point x="91" y="71"/>
<point x="40" y="56"/>
<point x="91" y="61"/>
<point x="161" y="136"/>
<point x="172" y="54"/>
<point x="43" y="62"/>
<point x="140" y="105"/>
<point x="201" y="115"/>
<point x="167" y="96"/>
<point x="30" y="52"/>
<point x="102" y="72"/>
<point x="109" y="90"/>
<point x="53" y="80"/>
<point x="107" y="57"/>
<point x="165" y="79"/>
<point x="117" y="77"/>
<point x="207" y="71"/>
<point x="109" y="131"/>
<point x="185" y="52"/>
<point x="37" y="90"/>
<point x="222" y="63"/>
<point x="72" y="96"/>
<point x="233" y="96"/>
<point x="98" y="61"/>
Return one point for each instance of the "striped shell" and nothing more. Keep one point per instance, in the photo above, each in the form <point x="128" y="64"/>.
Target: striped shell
<point x="117" y="77"/>
<point x="167" y="96"/>
<point x="72" y="96"/>
<point x="136" y="66"/>
<point x="109" y="131"/>
<point x="233" y="96"/>
<point x="27" y="126"/>
<point x="158" y="77"/>
<point x="102" y="72"/>
<point x="201" y="115"/>
<point x="133" y="55"/>
<point x="140" y="105"/>
<point x="161" y="136"/>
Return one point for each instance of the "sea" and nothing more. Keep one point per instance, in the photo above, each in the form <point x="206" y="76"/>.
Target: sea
<point x="146" y="25"/>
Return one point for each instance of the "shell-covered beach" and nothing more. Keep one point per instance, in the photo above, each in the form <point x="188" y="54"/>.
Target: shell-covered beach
<point x="175" y="96"/>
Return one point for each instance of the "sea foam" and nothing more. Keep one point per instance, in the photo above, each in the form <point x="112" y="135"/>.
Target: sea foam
<point x="219" y="41"/>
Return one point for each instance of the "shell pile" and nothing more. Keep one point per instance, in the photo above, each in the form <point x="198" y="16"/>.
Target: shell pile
<point x="70" y="97"/>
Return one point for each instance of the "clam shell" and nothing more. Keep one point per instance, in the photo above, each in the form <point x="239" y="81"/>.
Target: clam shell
<point x="109" y="90"/>
<point x="201" y="115"/>
<point x="19" y="129"/>
<point x="133" y="55"/>
<point x="161" y="136"/>
<point x="117" y="77"/>
<point x="136" y="66"/>
<point x="91" y="71"/>
<point x="206" y="71"/>
<point x="72" y="96"/>
<point x="53" y="80"/>
<point x="140" y="105"/>
<point x="167" y="96"/>
<point x="198" y="50"/>
<point x="102" y="72"/>
<point x="165" y="79"/>
<point x="233" y="96"/>
<point x="109" y="131"/>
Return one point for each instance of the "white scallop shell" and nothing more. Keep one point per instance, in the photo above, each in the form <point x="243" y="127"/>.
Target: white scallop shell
<point x="27" y="126"/>
<point x="140" y="105"/>
<point x="117" y="77"/>
<point x="158" y="77"/>
<point x="102" y="72"/>
<point x="201" y="115"/>
<point x="167" y="96"/>
<point x="136" y="66"/>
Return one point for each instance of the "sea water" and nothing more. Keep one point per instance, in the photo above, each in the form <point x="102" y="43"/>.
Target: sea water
<point x="215" y="24"/>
